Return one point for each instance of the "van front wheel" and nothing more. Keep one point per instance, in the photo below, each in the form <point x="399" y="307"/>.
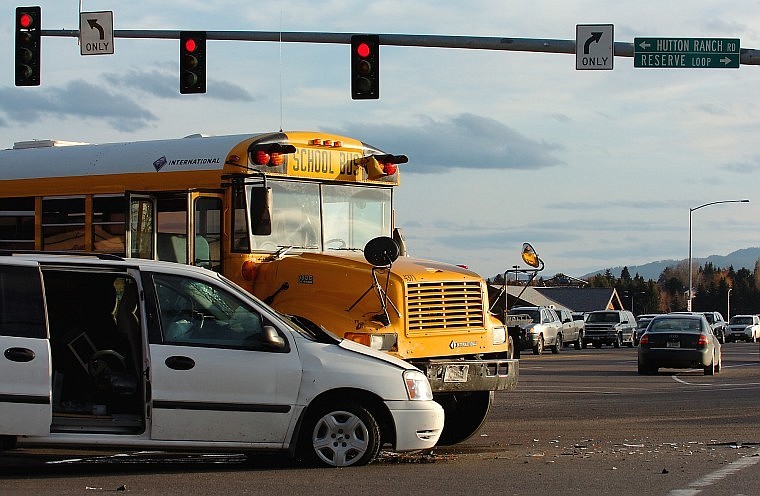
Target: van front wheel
<point x="340" y="435"/>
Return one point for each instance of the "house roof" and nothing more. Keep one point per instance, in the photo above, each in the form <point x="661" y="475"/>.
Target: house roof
<point x="583" y="299"/>
<point x="574" y="299"/>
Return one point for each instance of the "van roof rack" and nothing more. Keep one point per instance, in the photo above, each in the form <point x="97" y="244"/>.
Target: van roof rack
<point x="100" y="256"/>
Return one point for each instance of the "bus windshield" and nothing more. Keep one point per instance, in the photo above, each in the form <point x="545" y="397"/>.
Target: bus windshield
<point x="305" y="214"/>
<point x="353" y="215"/>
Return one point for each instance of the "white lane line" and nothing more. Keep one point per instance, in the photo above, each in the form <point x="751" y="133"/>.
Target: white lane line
<point x="710" y="479"/>
<point x="723" y="385"/>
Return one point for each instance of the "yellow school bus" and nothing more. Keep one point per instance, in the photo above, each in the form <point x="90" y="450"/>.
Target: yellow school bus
<point x="303" y="220"/>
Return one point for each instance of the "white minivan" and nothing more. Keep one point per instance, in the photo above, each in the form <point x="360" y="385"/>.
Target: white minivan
<point x="97" y="351"/>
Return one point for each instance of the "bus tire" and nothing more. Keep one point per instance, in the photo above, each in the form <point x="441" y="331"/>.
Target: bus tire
<point x="464" y="413"/>
<point x="7" y="442"/>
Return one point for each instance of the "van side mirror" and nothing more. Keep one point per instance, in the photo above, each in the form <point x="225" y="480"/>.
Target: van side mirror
<point x="273" y="339"/>
<point x="261" y="211"/>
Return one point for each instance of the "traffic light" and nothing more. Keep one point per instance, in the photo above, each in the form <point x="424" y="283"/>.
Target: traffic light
<point x="365" y="67"/>
<point x="28" y="46"/>
<point x="192" y="62"/>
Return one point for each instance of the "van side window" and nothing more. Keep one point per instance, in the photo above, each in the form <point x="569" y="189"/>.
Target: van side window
<point x="198" y="314"/>
<point x="21" y="309"/>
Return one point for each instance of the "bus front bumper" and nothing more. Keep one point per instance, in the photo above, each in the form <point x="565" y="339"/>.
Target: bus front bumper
<point x="470" y="375"/>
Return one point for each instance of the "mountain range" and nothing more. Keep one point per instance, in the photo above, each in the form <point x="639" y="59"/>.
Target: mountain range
<point x="744" y="258"/>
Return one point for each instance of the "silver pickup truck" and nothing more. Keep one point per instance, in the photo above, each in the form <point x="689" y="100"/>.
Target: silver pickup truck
<point x="541" y="331"/>
<point x="572" y="330"/>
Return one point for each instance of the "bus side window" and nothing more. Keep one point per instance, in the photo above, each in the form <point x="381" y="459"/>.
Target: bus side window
<point x="17" y="223"/>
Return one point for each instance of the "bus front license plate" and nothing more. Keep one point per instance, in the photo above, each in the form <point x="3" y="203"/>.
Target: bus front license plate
<point x="455" y="373"/>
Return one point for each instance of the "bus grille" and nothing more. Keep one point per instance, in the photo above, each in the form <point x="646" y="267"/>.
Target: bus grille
<point x="444" y="306"/>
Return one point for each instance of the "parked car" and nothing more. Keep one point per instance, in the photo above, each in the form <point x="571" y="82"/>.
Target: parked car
<point x="679" y="341"/>
<point x="544" y="329"/>
<point x="715" y="319"/>
<point x="718" y="324"/>
<point x="611" y="327"/>
<point x="642" y="321"/>
<point x="579" y="316"/>
<point x="743" y="328"/>
<point x="101" y="351"/>
<point x="572" y="329"/>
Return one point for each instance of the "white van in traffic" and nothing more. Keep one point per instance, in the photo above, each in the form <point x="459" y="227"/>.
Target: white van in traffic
<point x="97" y="351"/>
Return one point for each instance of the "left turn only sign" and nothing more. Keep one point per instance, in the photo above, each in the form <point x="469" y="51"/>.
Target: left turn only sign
<point x="96" y="33"/>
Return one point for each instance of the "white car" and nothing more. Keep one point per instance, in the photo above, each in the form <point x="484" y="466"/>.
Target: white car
<point x="101" y="351"/>
<point x="744" y="328"/>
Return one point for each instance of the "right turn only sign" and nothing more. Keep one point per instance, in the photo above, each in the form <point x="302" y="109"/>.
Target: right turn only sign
<point x="594" y="47"/>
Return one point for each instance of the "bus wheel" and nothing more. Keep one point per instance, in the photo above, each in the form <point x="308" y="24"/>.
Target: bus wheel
<point x="7" y="442"/>
<point x="465" y="413"/>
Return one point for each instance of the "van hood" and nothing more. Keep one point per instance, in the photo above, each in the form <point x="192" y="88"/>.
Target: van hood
<point x="347" y="344"/>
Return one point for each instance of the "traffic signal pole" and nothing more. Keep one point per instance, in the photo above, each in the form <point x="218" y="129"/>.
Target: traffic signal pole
<point x="748" y="56"/>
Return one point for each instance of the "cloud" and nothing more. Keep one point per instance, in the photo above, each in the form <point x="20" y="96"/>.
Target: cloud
<point x="461" y="141"/>
<point x="165" y="84"/>
<point x="747" y="167"/>
<point x="77" y="99"/>
<point x="155" y="82"/>
<point x="604" y="204"/>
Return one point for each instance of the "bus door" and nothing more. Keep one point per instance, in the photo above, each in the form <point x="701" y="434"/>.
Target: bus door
<point x="207" y="227"/>
<point x="159" y="225"/>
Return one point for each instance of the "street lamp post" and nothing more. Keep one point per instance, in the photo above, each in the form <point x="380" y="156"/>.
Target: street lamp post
<point x="634" y="293"/>
<point x="691" y="289"/>
<point x="728" y="305"/>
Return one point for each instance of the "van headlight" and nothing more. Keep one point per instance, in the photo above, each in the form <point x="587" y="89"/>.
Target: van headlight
<point x="499" y="335"/>
<point x="417" y="386"/>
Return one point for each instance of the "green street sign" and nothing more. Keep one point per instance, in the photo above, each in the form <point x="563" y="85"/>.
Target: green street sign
<point x="687" y="53"/>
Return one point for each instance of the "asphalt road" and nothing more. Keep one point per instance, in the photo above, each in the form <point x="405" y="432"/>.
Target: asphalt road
<point x="580" y="422"/>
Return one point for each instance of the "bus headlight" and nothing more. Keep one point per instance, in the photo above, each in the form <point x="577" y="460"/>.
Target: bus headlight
<point x="417" y="386"/>
<point x="499" y="335"/>
<point x="381" y="342"/>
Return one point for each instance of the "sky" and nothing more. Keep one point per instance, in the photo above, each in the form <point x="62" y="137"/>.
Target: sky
<point x="595" y="169"/>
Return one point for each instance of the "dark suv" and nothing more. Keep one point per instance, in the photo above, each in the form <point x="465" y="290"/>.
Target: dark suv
<point x="613" y="327"/>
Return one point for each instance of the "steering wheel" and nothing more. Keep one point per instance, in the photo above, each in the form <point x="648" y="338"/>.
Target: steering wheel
<point x="103" y="362"/>
<point x="267" y="246"/>
<point x="308" y="232"/>
<point x="336" y="240"/>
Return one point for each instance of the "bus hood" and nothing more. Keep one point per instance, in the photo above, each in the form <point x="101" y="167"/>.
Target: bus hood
<point x="380" y="355"/>
<point x="402" y="265"/>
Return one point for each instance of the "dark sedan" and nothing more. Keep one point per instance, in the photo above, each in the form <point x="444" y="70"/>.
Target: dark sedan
<point x="679" y="342"/>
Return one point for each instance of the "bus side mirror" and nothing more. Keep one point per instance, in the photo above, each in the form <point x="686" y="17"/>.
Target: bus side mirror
<point x="398" y="237"/>
<point x="530" y="256"/>
<point x="261" y="211"/>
